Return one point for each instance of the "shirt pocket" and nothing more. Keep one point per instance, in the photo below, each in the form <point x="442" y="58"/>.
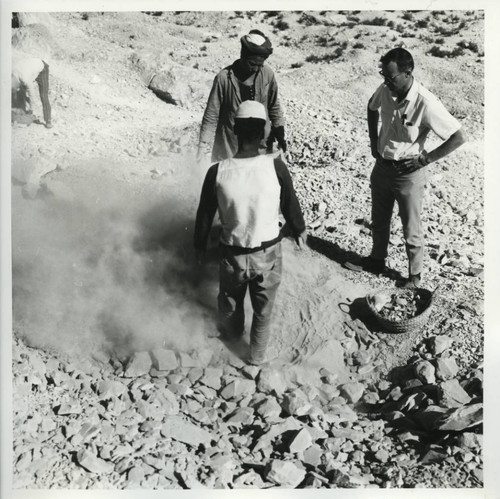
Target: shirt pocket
<point x="410" y="132"/>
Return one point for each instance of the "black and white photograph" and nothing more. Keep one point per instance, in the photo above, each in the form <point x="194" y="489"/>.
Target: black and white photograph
<point x="245" y="250"/>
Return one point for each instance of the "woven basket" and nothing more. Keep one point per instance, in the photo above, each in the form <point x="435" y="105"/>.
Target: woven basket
<point x="406" y="326"/>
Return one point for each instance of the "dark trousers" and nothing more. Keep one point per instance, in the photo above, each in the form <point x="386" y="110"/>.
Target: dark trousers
<point x="260" y="272"/>
<point x="388" y="187"/>
<point x="43" y="86"/>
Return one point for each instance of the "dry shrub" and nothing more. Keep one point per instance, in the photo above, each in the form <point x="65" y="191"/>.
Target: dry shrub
<point x="440" y="52"/>
<point x="376" y="21"/>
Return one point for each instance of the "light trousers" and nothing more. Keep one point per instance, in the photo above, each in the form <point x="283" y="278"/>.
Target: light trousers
<point x="260" y="272"/>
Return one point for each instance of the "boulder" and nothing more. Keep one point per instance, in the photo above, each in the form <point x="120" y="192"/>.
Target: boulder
<point x="187" y="360"/>
<point x="451" y="394"/>
<point x="446" y="368"/>
<point x="337" y="413"/>
<point x="301" y="441"/>
<point x="276" y="429"/>
<point x="435" y="454"/>
<point x="312" y="455"/>
<point x="269" y="409"/>
<point x="171" y="82"/>
<point x="250" y="479"/>
<point x="469" y="440"/>
<point x="425" y="372"/>
<point x="295" y="403"/>
<point x="462" y="418"/>
<point x="286" y="474"/>
<point x="241" y="416"/>
<point x="352" y="392"/>
<point x="169" y="402"/>
<point x="271" y="381"/>
<point x="439" y="344"/>
<point x="164" y="360"/>
<point x="107" y="389"/>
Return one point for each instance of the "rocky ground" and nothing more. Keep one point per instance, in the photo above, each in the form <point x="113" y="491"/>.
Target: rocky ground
<point x="118" y="378"/>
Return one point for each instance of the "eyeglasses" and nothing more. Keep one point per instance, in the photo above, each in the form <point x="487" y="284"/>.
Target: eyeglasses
<point x="389" y="78"/>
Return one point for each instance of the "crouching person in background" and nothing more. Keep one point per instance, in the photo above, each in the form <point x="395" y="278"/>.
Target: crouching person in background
<point x="248" y="191"/>
<point x="28" y="73"/>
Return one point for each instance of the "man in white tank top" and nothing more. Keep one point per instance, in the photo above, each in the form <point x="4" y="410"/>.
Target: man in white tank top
<point x="248" y="190"/>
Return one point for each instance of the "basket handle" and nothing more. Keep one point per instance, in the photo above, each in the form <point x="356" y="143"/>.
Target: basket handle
<point x="345" y="305"/>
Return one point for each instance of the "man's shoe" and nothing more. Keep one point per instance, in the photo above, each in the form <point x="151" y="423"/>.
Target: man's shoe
<point x="367" y="264"/>
<point x="412" y="282"/>
<point x="256" y="359"/>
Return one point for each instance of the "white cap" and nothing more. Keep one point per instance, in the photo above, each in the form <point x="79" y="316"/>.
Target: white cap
<point x="255" y="38"/>
<point x="251" y="109"/>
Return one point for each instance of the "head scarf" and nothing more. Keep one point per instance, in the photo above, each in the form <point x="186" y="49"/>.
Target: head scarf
<point x="255" y="43"/>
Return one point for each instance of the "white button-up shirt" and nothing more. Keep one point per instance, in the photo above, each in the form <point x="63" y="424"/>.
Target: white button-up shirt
<point x="406" y="124"/>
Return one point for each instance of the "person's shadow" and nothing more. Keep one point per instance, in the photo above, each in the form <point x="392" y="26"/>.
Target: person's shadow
<point x="334" y="252"/>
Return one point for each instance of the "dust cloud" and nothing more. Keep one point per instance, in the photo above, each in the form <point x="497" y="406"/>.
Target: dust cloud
<point x="118" y="274"/>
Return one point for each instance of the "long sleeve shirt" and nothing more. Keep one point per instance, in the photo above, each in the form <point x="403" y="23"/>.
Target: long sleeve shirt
<point x="249" y="193"/>
<point x="225" y="97"/>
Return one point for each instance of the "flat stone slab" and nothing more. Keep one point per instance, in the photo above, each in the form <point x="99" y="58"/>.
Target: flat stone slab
<point x="138" y="365"/>
<point x="301" y="441"/>
<point x="238" y="388"/>
<point x="446" y="368"/>
<point x="440" y="344"/>
<point x="164" y="360"/>
<point x="183" y="431"/>
<point x="462" y="418"/>
<point x="451" y="394"/>
<point x="110" y="388"/>
<point x="92" y="463"/>
<point x="243" y="415"/>
<point x="212" y="378"/>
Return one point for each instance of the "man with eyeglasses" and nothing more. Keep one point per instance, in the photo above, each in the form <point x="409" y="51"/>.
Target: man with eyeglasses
<point x="408" y="113"/>
<point x="248" y="78"/>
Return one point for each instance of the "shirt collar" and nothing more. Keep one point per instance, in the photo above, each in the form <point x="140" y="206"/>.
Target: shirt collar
<point x="413" y="92"/>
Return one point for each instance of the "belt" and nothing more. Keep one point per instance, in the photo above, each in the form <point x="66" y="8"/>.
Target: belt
<point x="239" y="250"/>
<point x="390" y="162"/>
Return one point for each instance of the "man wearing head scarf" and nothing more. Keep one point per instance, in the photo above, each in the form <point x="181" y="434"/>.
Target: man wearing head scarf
<point x="248" y="78"/>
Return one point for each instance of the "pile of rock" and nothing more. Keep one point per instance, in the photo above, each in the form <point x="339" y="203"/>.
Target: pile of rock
<point x="166" y="419"/>
<point x="435" y="411"/>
